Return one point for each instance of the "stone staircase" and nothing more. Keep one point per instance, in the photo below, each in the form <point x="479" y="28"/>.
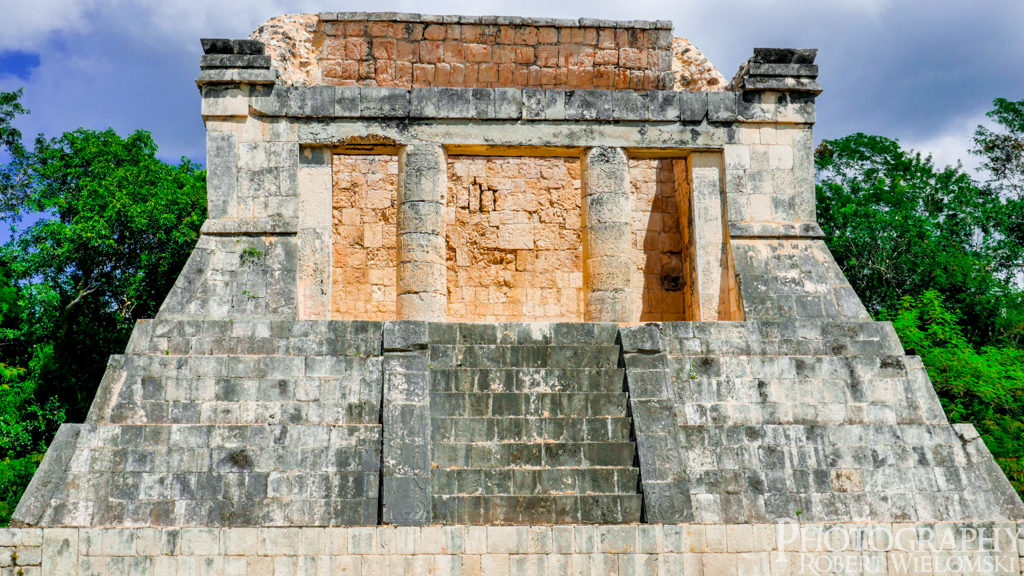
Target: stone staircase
<point x="530" y="425"/>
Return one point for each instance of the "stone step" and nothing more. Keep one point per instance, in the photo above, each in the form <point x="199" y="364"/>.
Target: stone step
<point x="229" y="448"/>
<point x="748" y="390"/>
<point x="526" y="379"/>
<point x="523" y="333"/>
<point x="312" y="413"/>
<point x="796" y="337"/>
<point x="256" y="337"/>
<point x="252" y="367"/>
<point x="538" y="356"/>
<point x="532" y="454"/>
<point x="309" y="337"/>
<point x="568" y="509"/>
<point x="537" y="404"/>
<point x="562" y="429"/>
<point x="269" y="512"/>
<point x="845" y="368"/>
<point x="525" y="481"/>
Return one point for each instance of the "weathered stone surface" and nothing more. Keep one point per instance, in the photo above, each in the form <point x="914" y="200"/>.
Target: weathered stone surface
<point x="515" y="550"/>
<point x="390" y="173"/>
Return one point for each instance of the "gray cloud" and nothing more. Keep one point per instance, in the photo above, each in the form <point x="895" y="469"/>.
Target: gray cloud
<point x="920" y="71"/>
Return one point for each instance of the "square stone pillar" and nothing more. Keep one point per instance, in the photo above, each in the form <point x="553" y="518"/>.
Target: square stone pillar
<point x="607" y="236"/>
<point x="712" y="269"/>
<point x="316" y="210"/>
<point x="422" y="274"/>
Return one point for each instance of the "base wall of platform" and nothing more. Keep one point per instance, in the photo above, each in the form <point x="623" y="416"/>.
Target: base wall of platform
<point x="741" y="549"/>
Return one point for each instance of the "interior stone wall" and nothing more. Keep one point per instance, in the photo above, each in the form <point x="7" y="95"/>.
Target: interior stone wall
<point x="364" y="237"/>
<point x="660" y="276"/>
<point x="513" y="230"/>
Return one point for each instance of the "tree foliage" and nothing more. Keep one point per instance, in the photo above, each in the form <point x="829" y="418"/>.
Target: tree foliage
<point x="1002" y="149"/>
<point x="899" y="225"/>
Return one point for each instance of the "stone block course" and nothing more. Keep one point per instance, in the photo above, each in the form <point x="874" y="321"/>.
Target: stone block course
<point x="521" y="550"/>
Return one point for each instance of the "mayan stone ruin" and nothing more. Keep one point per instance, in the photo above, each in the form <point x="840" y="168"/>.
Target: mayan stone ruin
<point x="507" y="296"/>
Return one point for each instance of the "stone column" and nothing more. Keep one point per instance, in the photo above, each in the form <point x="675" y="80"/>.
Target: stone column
<point x="422" y="275"/>
<point x="607" y="236"/>
<point x="707" y="220"/>
<point x="316" y="209"/>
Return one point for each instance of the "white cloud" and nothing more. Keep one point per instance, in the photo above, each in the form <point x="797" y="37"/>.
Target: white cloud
<point x="27" y="25"/>
<point x="952" y="142"/>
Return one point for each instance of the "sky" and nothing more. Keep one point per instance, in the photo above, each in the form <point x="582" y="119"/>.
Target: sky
<point x="922" y="71"/>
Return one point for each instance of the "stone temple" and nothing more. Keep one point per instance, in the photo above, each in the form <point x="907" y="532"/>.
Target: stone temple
<point x="510" y="296"/>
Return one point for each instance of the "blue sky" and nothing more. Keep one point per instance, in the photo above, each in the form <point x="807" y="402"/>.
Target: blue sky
<point x="924" y="72"/>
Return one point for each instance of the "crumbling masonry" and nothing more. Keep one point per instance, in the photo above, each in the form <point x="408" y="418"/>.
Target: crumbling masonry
<point x="505" y="296"/>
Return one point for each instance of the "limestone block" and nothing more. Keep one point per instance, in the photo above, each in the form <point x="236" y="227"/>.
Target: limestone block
<point x="420" y="218"/>
<point x="225" y="101"/>
<point x="222" y="172"/>
<point x="663" y="105"/>
<point x="609" y="273"/>
<point x="722" y="106"/>
<point x="383" y="102"/>
<point x="606" y="208"/>
<point x="693" y="106"/>
<point x="508" y="103"/>
<point x="544" y="104"/>
<point x="269" y="100"/>
<point x="423" y="172"/>
<point x="591" y="105"/>
<point x="422" y="306"/>
<point x="416" y="276"/>
<point x="311" y="102"/>
<point x="421" y="247"/>
<point x="629" y="105"/>
<point x="346" y="102"/>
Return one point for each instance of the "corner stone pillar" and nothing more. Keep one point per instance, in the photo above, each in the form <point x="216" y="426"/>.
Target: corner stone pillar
<point x="422" y="275"/>
<point x="316" y="212"/>
<point x="711" y="266"/>
<point x="607" y="235"/>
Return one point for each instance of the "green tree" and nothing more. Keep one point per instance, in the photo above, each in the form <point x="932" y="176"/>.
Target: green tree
<point x="1002" y="149"/>
<point x="1002" y="152"/>
<point x="899" y="225"/>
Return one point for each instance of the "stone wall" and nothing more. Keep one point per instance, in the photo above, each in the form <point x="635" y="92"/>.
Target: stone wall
<point x="513" y="230"/>
<point x="661" y="277"/>
<point x="739" y="549"/>
<point x="364" y="238"/>
<point x="411" y="50"/>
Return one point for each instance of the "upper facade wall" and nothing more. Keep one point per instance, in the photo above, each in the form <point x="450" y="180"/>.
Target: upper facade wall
<point x="413" y="50"/>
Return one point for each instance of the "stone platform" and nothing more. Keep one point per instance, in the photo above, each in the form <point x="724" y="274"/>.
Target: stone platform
<point x="496" y="295"/>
